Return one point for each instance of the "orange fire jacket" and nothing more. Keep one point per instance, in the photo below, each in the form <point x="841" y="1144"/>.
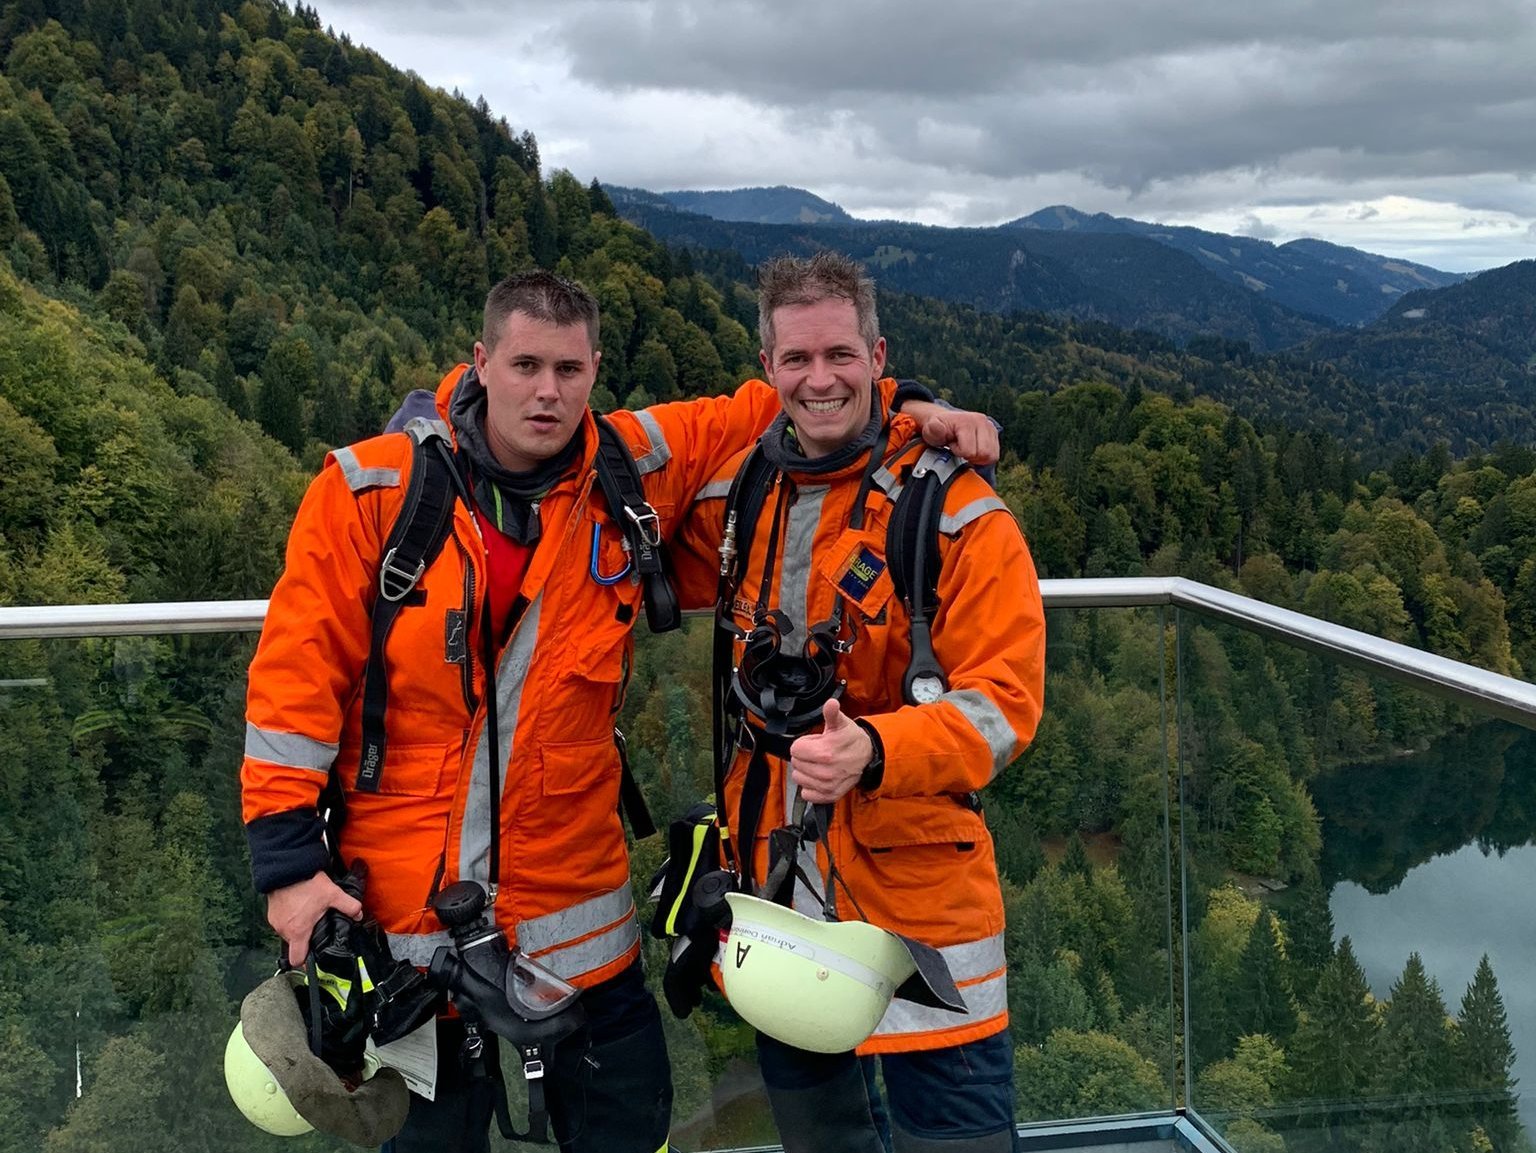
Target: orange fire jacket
<point x="913" y="854"/>
<point x="559" y="679"/>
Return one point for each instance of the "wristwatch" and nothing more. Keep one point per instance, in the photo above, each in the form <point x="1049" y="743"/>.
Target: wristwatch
<point x="874" y="772"/>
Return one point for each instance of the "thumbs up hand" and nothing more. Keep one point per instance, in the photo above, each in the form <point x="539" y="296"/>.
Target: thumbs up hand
<point x="827" y="764"/>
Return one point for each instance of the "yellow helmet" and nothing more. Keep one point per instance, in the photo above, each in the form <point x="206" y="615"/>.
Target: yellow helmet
<point x="817" y="985"/>
<point x="285" y="1089"/>
<point x="255" y="1090"/>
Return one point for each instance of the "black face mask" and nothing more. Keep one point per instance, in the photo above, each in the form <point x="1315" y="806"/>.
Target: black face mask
<point x="786" y="692"/>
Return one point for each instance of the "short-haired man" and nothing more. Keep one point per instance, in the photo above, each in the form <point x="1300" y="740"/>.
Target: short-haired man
<point x="503" y="675"/>
<point x="906" y="848"/>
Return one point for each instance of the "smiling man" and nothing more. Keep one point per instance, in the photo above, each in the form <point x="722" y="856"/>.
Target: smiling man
<point x="802" y="540"/>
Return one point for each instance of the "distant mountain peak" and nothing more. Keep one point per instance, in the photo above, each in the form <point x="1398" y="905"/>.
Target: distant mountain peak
<point x="1065" y="218"/>
<point x="779" y="204"/>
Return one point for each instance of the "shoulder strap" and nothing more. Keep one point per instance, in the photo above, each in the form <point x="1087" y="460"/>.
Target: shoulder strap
<point x="414" y="541"/>
<point x="912" y="555"/>
<point x="620" y="481"/>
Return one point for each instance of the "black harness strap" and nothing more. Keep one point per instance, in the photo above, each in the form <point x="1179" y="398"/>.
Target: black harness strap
<point x="912" y="553"/>
<point x="631" y="795"/>
<point x="620" y="481"/>
<point x="743" y="504"/>
<point x="414" y="542"/>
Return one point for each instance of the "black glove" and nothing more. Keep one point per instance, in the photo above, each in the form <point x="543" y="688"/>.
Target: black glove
<point x="708" y="917"/>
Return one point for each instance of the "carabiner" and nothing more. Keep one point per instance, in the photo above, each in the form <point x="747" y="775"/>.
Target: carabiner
<point x="597" y="575"/>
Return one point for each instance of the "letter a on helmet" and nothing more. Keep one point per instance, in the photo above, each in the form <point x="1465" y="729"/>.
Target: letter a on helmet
<point x="283" y="1088"/>
<point x="817" y="985"/>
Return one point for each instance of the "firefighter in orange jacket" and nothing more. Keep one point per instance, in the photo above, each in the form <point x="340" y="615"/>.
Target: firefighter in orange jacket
<point x="907" y="848"/>
<point x="500" y="765"/>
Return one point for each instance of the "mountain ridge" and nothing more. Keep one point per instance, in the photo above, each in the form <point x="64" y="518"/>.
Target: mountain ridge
<point x="1335" y="284"/>
<point x="1126" y="280"/>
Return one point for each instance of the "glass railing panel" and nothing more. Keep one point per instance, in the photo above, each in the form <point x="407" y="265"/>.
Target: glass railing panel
<point x="128" y="928"/>
<point x="129" y="932"/>
<point x="1359" y="975"/>
<point x="1080" y="828"/>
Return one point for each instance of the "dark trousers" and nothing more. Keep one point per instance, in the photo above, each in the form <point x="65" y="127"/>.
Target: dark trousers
<point x="953" y="1100"/>
<point x="608" y="1086"/>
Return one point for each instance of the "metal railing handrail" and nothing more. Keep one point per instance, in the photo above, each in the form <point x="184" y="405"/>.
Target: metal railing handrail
<point x="1486" y="691"/>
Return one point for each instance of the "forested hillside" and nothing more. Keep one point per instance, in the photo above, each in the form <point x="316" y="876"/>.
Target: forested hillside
<point x="1464" y="356"/>
<point x="233" y="240"/>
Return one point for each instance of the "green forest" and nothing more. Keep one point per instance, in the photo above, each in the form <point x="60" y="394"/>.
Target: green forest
<point x="230" y="240"/>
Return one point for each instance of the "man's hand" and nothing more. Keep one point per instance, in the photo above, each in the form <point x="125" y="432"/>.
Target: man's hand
<point x="827" y="764"/>
<point x="970" y="435"/>
<point x="294" y="910"/>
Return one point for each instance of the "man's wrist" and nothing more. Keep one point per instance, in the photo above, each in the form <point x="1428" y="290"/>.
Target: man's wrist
<point x="874" y="771"/>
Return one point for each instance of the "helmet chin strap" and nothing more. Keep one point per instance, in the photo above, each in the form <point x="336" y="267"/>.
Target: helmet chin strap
<point x="809" y="824"/>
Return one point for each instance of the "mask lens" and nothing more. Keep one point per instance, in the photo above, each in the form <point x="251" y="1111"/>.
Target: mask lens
<point x="534" y="991"/>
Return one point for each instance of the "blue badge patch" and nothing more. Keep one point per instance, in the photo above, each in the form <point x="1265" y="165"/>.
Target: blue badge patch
<point x="863" y="570"/>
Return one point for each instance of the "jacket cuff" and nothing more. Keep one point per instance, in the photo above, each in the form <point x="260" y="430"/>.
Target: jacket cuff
<point x="908" y="390"/>
<point x="286" y="848"/>
<point x="874" y="772"/>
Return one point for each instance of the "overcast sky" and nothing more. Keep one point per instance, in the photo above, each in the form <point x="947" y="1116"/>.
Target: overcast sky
<point x="1405" y="128"/>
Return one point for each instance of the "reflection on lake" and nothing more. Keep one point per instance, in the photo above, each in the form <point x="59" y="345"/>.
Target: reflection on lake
<point x="1434" y="854"/>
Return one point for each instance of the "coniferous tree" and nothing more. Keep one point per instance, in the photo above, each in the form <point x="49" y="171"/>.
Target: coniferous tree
<point x="287" y="375"/>
<point x="1332" y="1054"/>
<point x="1309" y="936"/>
<point x="1262" y="996"/>
<point x="1415" y="1072"/>
<point x="1484" y="1057"/>
<point x="1075" y="861"/>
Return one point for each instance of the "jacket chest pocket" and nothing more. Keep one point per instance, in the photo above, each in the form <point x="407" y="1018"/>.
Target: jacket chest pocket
<point x="593" y="655"/>
<point x="854" y="574"/>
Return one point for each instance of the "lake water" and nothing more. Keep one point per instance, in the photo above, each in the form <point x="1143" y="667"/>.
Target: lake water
<point x="1415" y="890"/>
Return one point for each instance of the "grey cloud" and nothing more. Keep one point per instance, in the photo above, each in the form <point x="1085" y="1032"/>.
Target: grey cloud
<point x="1255" y="227"/>
<point x="1129" y="93"/>
<point x="975" y="111"/>
<point x="808" y="47"/>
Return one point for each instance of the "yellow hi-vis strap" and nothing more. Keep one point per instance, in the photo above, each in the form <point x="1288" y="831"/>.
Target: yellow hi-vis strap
<point x="339" y="987"/>
<point x="699" y="833"/>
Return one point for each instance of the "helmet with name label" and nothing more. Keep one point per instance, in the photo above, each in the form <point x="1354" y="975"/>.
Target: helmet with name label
<point x="821" y="986"/>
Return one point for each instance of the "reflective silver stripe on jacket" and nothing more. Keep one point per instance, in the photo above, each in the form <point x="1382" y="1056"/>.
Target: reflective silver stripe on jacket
<point x="660" y="453"/>
<point x="570" y="961"/>
<point x="950" y="525"/>
<point x="567" y="942"/>
<point x="579" y="920"/>
<point x="290" y="750"/>
<point x="715" y="490"/>
<point x="417" y="948"/>
<point x="511" y="675"/>
<point x="359" y="478"/>
<point x="983" y="1000"/>
<point x="988" y="720"/>
<point x="796" y="564"/>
